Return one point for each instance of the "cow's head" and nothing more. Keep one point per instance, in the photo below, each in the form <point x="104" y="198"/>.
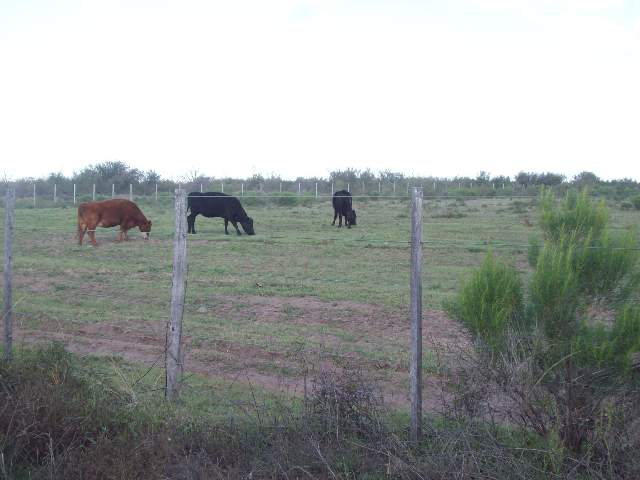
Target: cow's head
<point x="145" y="228"/>
<point x="351" y="217"/>
<point x="247" y="226"/>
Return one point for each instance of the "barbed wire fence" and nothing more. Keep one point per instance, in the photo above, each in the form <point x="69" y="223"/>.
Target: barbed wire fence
<point x="47" y="194"/>
<point x="173" y="352"/>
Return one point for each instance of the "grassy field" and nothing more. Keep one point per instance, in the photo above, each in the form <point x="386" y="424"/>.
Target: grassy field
<point x="263" y="310"/>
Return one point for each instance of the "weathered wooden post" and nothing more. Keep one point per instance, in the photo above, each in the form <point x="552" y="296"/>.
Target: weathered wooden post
<point x="394" y="188"/>
<point x="316" y="189"/>
<point x="363" y="186"/>
<point x="379" y="187"/>
<point x="55" y="193"/>
<point x="173" y="354"/>
<point x="242" y="189"/>
<point x="7" y="311"/>
<point x="222" y="187"/>
<point x="415" y="314"/>
<point x="34" y="195"/>
<point x="93" y="193"/>
<point x="299" y="190"/>
<point x="131" y="192"/>
<point x="113" y="190"/>
<point x="332" y="189"/>
<point x="348" y="187"/>
<point x="156" y="192"/>
<point x="200" y="188"/>
<point x="280" y="187"/>
<point x="74" y="193"/>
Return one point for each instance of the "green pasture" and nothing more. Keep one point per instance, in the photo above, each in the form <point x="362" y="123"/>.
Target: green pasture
<point x="296" y="253"/>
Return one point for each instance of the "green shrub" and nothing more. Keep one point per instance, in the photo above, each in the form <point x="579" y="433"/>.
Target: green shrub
<point x="533" y="250"/>
<point x="554" y="292"/>
<point x="635" y="201"/>
<point x="577" y="217"/>
<point x="490" y="301"/>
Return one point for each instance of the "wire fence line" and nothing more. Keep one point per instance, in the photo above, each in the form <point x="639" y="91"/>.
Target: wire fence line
<point x="448" y="243"/>
<point x="50" y="193"/>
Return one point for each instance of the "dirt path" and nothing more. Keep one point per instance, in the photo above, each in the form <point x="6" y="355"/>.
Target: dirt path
<point x="143" y="343"/>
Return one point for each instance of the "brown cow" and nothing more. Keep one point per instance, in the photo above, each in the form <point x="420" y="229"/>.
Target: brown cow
<point x="109" y="213"/>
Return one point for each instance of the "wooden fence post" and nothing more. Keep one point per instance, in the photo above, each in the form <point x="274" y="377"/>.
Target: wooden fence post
<point x="113" y="190"/>
<point x="156" y="192"/>
<point x="55" y="193"/>
<point x="173" y="354"/>
<point x="299" y="188"/>
<point x="332" y="189"/>
<point x="222" y="187"/>
<point x="131" y="192"/>
<point x="242" y="189"/>
<point x="415" y="313"/>
<point x="348" y="187"/>
<point x="93" y="193"/>
<point x="74" y="193"/>
<point x="316" y="189"/>
<point x="34" y="195"/>
<point x="7" y="313"/>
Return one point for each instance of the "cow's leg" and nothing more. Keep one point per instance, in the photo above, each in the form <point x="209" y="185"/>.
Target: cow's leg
<point x="191" y="223"/>
<point x="92" y="235"/>
<point x="235" y="225"/>
<point x="335" y="215"/>
<point x="226" y="226"/>
<point x="125" y="234"/>
<point x="81" y="230"/>
<point x="340" y="220"/>
<point x="120" y="235"/>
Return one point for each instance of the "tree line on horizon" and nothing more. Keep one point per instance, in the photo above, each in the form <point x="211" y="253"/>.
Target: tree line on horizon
<point x="119" y="176"/>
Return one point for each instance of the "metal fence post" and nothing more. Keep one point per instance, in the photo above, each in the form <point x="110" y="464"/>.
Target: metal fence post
<point x="173" y="355"/>
<point x="7" y="313"/>
<point x="415" y="313"/>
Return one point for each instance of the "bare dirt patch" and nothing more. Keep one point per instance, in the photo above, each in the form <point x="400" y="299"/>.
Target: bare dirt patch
<point x="143" y="342"/>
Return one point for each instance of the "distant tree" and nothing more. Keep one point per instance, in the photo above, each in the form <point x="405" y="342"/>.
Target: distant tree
<point x="483" y="178"/>
<point x="584" y="179"/>
<point x="550" y="179"/>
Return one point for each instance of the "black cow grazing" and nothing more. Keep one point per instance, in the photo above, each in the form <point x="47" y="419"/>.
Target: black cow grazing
<point x="217" y="204"/>
<point x="342" y="208"/>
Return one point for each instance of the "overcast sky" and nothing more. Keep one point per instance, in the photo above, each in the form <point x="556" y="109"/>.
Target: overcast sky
<point x="232" y="88"/>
